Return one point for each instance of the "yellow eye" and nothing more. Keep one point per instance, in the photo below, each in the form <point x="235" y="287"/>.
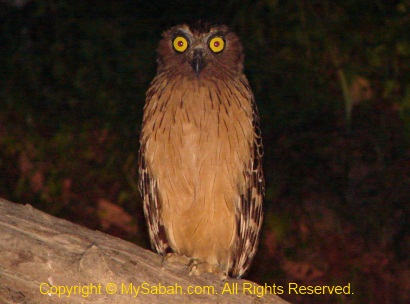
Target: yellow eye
<point x="217" y="44"/>
<point x="180" y="44"/>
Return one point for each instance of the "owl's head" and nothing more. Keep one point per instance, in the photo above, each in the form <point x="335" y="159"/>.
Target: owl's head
<point x="200" y="50"/>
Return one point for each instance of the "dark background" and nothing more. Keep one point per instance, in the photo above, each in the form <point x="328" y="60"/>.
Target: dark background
<point x="332" y="82"/>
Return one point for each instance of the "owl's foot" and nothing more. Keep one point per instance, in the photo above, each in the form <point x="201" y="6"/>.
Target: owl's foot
<point x="197" y="267"/>
<point x="175" y="258"/>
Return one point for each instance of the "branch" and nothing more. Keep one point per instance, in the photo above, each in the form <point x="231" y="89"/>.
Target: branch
<point x="44" y="259"/>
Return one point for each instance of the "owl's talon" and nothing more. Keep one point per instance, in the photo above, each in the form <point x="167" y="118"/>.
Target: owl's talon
<point x="196" y="267"/>
<point x="174" y="258"/>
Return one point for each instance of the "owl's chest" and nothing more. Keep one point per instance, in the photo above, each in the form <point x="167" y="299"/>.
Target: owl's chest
<point x="186" y="126"/>
<point x="192" y="133"/>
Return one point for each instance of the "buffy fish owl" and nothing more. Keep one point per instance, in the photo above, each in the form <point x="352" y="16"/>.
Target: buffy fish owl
<point x="201" y="153"/>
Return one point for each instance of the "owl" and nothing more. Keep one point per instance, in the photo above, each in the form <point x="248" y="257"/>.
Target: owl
<point x="200" y="159"/>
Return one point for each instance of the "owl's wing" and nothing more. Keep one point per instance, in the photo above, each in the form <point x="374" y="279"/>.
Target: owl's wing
<point x="249" y="212"/>
<point x="149" y="193"/>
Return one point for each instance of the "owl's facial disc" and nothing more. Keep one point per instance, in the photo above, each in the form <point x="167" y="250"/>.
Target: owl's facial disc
<point x="198" y="61"/>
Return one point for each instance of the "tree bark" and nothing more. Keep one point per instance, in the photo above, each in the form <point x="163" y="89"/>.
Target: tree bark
<point x="44" y="259"/>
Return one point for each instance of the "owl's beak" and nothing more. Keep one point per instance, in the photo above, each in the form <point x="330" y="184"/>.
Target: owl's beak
<point x="198" y="63"/>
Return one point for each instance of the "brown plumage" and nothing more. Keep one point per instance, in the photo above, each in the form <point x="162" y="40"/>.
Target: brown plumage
<point x="200" y="159"/>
